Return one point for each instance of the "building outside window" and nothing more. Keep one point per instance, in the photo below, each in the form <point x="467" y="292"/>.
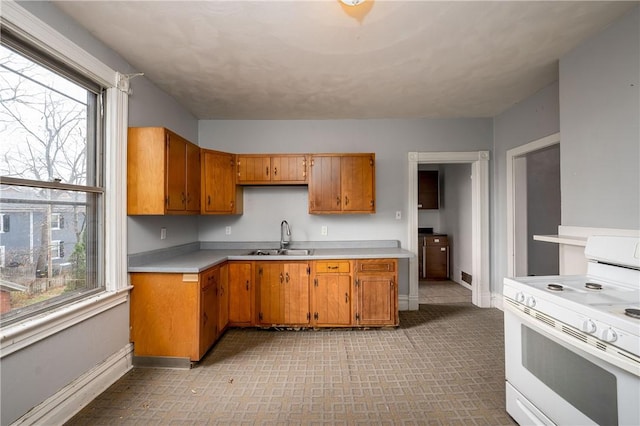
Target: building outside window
<point x="51" y="189"/>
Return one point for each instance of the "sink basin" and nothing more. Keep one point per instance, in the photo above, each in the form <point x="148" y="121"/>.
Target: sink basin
<point x="296" y="252"/>
<point x="281" y="252"/>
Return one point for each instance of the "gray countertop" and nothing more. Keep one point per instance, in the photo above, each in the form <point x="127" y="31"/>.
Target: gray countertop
<point x="197" y="259"/>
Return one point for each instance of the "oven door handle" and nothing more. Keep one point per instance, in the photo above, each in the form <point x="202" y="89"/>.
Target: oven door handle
<point x="553" y="328"/>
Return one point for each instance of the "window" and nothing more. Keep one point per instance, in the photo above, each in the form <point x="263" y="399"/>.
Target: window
<point x="57" y="221"/>
<point x="51" y="170"/>
<point x="5" y="223"/>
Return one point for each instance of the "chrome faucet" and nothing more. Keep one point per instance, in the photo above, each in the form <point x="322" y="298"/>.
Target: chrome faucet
<point x="285" y="234"/>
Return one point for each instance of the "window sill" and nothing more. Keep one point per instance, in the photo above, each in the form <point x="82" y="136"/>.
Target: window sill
<point x="18" y="336"/>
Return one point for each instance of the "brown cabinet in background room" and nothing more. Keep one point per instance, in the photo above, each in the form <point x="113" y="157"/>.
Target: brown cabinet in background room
<point x="428" y="193"/>
<point x="435" y="262"/>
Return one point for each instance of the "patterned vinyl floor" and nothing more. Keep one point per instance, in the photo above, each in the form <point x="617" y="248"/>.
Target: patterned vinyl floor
<point x="444" y="365"/>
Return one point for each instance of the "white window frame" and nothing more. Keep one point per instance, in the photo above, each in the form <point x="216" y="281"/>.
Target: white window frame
<point x="33" y="329"/>
<point x="2" y="231"/>
<point x="54" y="249"/>
<point x="2" y="261"/>
<point x="55" y="225"/>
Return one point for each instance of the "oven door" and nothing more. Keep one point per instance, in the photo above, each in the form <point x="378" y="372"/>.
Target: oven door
<point x="552" y="381"/>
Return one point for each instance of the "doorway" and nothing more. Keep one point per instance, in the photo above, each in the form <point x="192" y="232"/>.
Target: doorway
<point x="479" y="160"/>
<point x="533" y="206"/>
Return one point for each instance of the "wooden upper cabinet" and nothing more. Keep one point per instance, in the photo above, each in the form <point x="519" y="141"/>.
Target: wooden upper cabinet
<point x="220" y="194"/>
<point x="342" y="183"/>
<point x="428" y="194"/>
<point x="163" y="173"/>
<point x="280" y="169"/>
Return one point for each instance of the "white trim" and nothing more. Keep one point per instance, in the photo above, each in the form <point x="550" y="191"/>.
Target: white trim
<point x="481" y="288"/>
<point x="18" y="19"/>
<point x="68" y="401"/>
<point x="18" y="336"/>
<point x="116" y="186"/>
<point x="512" y="154"/>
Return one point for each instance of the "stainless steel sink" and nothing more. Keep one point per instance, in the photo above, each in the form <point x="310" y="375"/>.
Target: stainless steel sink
<point x="281" y="252"/>
<point x="296" y="252"/>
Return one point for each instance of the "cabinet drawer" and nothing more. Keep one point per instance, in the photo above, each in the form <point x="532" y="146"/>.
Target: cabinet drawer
<point x="441" y="240"/>
<point x="376" y="265"/>
<point x="333" y="266"/>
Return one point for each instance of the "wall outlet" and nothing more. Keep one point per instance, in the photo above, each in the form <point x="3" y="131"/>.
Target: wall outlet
<point x="227" y="230"/>
<point x="324" y="231"/>
<point x="398" y="215"/>
<point x="163" y="233"/>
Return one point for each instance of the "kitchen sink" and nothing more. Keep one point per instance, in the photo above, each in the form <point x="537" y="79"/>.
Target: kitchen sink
<point x="281" y="252"/>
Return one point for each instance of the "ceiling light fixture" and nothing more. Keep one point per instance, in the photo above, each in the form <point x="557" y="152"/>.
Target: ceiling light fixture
<point x="352" y="2"/>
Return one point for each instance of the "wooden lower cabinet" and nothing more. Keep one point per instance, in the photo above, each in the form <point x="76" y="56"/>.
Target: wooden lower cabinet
<point x="376" y="292"/>
<point x="283" y="293"/>
<point x="332" y="304"/>
<point x="223" y="299"/>
<point x="241" y="294"/>
<point x="174" y="315"/>
<point x="182" y="315"/>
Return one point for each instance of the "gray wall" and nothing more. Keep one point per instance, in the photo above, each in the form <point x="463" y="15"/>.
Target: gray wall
<point x="543" y="209"/>
<point x="600" y="113"/>
<point x="532" y="119"/>
<point x="390" y="139"/>
<point x="455" y="216"/>
<point x="35" y="373"/>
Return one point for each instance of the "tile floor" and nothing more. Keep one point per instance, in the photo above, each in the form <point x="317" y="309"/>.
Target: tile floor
<point x="444" y="365"/>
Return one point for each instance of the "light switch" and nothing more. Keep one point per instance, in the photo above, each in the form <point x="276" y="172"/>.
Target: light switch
<point x="163" y="233"/>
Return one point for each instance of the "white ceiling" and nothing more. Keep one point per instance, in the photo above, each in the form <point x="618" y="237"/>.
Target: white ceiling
<point x="320" y="59"/>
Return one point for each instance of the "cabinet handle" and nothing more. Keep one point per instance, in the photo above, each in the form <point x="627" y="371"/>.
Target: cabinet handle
<point x="267" y="170"/>
<point x="275" y="171"/>
<point x="247" y="285"/>
<point x="346" y="200"/>
<point x="332" y="267"/>
<point x="281" y="278"/>
<point x="286" y="277"/>
<point x="337" y="200"/>
<point x="209" y="200"/>
<point x="346" y="298"/>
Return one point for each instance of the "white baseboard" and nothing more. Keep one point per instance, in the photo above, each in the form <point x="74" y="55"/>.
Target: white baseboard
<point x="69" y="400"/>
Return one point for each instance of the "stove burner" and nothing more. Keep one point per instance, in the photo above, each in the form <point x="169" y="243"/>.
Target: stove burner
<point x="633" y="313"/>
<point x="593" y="286"/>
<point x="555" y="287"/>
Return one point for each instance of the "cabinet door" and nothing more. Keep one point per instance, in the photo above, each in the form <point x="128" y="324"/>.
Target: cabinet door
<point x="296" y="293"/>
<point x="324" y="184"/>
<point x="223" y="299"/>
<point x="289" y="169"/>
<point x="241" y="293"/>
<point x="270" y="280"/>
<point x="437" y="259"/>
<point x="376" y="300"/>
<point x="358" y="183"/>
<point x="176" y="172"/>
<point x="208" y="309"/>
<point x="332" y="299"/>
<point x="428" y="196"/>
<point x="254" y="169"/>
<point x="192" y="178"/>
<point x="219" y="188"/>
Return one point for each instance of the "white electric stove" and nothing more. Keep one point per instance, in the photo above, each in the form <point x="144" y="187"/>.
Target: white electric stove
<point x="572" y="343"/>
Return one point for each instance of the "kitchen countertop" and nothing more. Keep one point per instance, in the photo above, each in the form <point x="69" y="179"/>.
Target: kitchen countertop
<point x="194" y="259"/>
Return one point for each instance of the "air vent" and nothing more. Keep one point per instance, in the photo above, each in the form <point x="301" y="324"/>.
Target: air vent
<point x="601" y="346"/>
<point x="545" y="319"/>
<point x="574" y="333"/>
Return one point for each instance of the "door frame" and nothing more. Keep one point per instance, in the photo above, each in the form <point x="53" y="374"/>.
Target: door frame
<point x="513" y="157"/>
<point x="479" y="160"/>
